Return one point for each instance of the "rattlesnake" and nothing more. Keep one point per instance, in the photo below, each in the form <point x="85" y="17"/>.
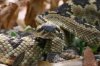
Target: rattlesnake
<point x="48" y="39"/>
<point x="80" y="17"/>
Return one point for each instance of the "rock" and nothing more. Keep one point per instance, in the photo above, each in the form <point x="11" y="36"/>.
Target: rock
<point x="3" y="65"/>
<point x="89" y="58"/>
<point x="75" y="62"/>
<point x="98" y="63"/>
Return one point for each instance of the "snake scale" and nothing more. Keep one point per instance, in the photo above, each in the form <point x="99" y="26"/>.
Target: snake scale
<point x="47" y="38"/>
<point x="80" y="17"/>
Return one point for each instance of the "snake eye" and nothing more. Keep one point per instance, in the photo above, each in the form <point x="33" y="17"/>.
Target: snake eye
<point x="58" y="29"/>
<point x="39" y="28"/>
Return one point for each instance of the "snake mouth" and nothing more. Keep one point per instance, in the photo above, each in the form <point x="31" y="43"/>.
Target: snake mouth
<point x="46" y="36"/>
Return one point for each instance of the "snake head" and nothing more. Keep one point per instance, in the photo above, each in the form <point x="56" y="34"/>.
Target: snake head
<point x="48" y="31"/>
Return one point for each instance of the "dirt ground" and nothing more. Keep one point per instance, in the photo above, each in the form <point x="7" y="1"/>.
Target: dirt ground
<point x="64" y="63"/>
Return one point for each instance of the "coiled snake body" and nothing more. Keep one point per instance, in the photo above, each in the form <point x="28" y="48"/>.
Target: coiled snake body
<point x="49" y="38"/>
<point x="80" y="17"/>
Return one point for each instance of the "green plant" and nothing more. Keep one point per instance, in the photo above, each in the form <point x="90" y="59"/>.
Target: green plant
<point x="79" y="44"/>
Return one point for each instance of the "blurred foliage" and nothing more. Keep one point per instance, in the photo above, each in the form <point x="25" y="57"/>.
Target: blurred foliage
<point x="29" y="29"/>
<point x="94" y="48"/>
<point x="13" y="34"/>
<point x="79" y="44"/>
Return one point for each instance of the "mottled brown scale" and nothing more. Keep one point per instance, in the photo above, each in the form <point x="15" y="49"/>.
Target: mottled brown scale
<point x="87" y="34"/>
<point x="84" y="9"/>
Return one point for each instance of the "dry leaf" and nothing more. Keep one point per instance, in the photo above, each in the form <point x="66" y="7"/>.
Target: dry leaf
<point x="54" y="4"/>
<point x="65" y="1"/>
<point x="34" y="7"/>
<point x="8" y="16"/>
<point x="98" y="63"/>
